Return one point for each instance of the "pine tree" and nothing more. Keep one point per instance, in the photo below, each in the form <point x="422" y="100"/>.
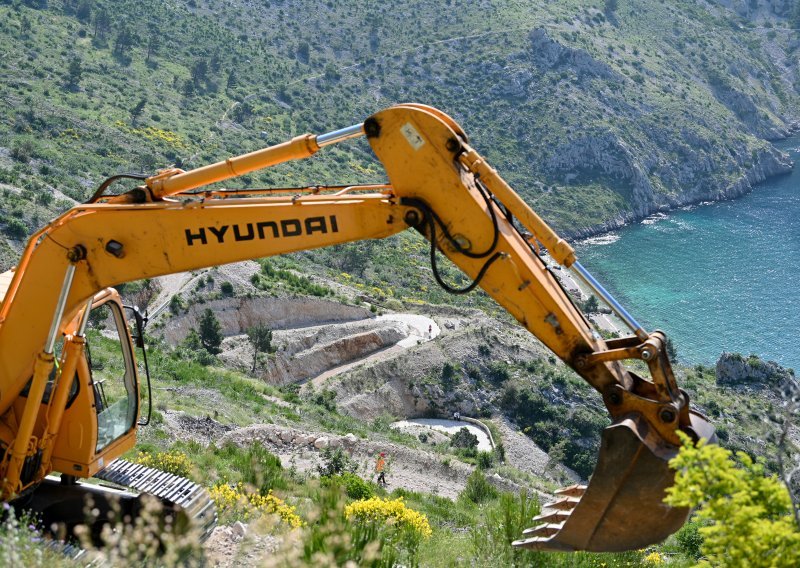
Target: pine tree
<point x="123" y="43"/>
<point x="74" y="72"/>
<point x="261" y="339"/>
<point x="102" y="24"/>
<point x="210" y="332"/>
<point x="84" y="11"/>
<point x="136" y="111"/>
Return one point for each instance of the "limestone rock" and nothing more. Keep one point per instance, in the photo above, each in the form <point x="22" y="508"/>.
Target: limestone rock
<point x="239" y="529"/>
<point x="733" y="369"/>
<point x="548" y="53"/>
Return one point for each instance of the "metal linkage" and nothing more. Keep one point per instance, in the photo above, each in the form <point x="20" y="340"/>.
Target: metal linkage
<point x="612" y="303"/>
<point x="340" y="135"/>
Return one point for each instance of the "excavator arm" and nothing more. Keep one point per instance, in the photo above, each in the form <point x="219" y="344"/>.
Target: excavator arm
<point x="438" y="185"/>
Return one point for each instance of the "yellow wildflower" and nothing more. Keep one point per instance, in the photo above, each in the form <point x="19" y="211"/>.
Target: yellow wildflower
<point x="236" y="502"/>
<point x="387" y="511"/>
<point x="175" y="463"/>
<point x="653" y="559"/>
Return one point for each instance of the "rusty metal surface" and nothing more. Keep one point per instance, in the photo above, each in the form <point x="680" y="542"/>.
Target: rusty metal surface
<point x="622" y="508"/>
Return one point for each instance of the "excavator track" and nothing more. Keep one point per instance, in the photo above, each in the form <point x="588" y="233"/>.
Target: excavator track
<point x="60" y="503"/>
<point x="173" y="490"/>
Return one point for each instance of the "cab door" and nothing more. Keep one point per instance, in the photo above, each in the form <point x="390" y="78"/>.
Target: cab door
<point x="100" y="420"/>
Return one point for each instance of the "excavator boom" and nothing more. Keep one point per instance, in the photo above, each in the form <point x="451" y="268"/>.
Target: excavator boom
<point x="438" y="185"/>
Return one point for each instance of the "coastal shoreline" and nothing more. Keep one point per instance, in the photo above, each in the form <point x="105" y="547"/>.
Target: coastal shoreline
<point x="768" y="167"/>
<point x="749" y="182"/>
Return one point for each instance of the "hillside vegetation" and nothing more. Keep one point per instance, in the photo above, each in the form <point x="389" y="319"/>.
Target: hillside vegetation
<point x="598" y="113"/>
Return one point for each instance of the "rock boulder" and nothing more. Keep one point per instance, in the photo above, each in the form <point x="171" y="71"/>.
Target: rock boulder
<point x="734" y="369"/>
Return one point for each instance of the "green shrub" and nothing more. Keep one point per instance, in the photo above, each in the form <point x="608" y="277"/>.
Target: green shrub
<point x="464" y="439"/>
<point x="325" y="398"/>
<point x="22" y="150"/>
<point x="335" y="462"/>
<point x="499" y="452"/>
<point x="503" y="523"/>
<point x="354" y="486"/>
<point x="255" y="465"/>
<point x="449" y="378"/>
<point x="746" y="516"/>
<point x="394" y="304"/>
<point x="690" y="540"/>
<point x="478" y="489"/>
<point x="485" y="460"/>
<point x="175" y="304"/>
<point x="15" y="228"/>
<point x="499" y="372"/>
<point x="291" y="393"/>
<point x="192" y="349"/>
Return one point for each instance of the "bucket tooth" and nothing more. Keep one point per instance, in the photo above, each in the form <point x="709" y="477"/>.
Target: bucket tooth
<point x="565" y="504"/>
<point x="545" y="530"/>
<point x="541" y="543"/>
<point x="576" y="490"/>
<point x="552" y="517"/>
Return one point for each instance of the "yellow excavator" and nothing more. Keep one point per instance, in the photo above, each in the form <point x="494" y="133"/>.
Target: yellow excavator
<point x="61" y="412"/>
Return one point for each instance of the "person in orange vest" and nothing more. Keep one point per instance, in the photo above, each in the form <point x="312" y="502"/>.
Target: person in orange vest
<point x="380" y="467"/>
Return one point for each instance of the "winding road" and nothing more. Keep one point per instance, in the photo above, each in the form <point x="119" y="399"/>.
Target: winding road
<point x="422" y="329"/>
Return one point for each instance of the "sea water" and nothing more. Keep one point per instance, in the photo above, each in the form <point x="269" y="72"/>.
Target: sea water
<point x="715" y="277"/>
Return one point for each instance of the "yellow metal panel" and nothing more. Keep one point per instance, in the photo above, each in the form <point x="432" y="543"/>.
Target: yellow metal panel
<point x="420" y="153"/>
<point x="163" y="238"/>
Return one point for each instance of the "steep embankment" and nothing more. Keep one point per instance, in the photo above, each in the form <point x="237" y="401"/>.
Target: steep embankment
<point x="311" y="337"/>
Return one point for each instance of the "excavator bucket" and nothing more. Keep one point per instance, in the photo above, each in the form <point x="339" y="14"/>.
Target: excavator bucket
<point x="623" y="506"/>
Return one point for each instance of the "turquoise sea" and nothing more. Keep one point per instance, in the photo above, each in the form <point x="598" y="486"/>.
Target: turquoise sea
<point x="715" y="277"/>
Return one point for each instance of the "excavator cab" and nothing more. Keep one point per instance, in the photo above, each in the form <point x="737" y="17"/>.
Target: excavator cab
<point x="100" y="424"/>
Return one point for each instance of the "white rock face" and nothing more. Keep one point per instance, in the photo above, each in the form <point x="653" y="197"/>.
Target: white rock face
<point x="286" y="367"/>
<point x="322" y="443"/>
<point x="310" y="336"/>
<point x="239" y="529"/>
<point x="236" y="315"/>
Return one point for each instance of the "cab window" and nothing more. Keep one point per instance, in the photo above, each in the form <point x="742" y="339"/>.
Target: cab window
<point x="113" y="377"/>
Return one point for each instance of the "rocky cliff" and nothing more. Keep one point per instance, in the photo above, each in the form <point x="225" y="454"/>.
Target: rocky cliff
<point x="733" y="369"/>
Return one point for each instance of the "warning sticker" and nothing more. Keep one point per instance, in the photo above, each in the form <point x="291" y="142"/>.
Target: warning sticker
<point x="412" y="136"/>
